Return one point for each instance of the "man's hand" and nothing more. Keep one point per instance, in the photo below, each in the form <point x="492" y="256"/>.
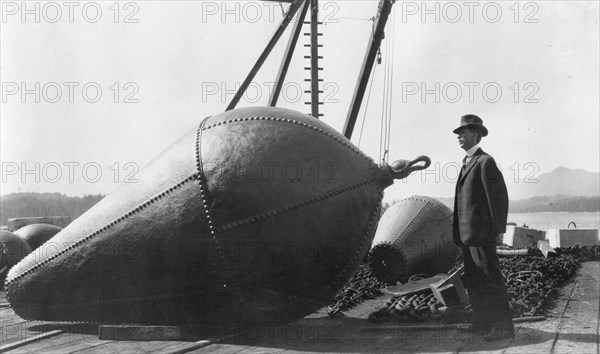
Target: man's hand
<point x="499" y="239"/>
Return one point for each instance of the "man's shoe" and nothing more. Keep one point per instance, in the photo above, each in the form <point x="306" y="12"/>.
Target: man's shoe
<point x="493" y="333"/>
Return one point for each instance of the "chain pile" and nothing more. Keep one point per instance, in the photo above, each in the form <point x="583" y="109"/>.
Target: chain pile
<point x="418" y="308"/>
<point x="530" y="280"/>
<point x="364" y="285"/>
<point x="583" y="254"/>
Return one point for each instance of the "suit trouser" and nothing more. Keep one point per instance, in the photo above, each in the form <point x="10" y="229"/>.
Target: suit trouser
<point x="485" y="283"/>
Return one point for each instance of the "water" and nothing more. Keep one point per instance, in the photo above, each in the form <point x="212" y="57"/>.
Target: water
<point x="544" y="221"/>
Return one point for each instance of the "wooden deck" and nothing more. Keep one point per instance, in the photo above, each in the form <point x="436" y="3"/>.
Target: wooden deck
<point x="571" y="327"/>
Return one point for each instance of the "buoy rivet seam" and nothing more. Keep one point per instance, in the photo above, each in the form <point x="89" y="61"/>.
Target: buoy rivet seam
<point x="301" y="204"/>
<point x="328" y="134"/>
<point x="88" y="237"/>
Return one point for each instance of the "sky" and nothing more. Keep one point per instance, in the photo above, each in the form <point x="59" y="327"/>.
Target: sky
<point x="117" y="83"/>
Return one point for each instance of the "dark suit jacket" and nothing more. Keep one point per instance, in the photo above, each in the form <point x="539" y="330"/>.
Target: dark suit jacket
<point x="480" y="202"/>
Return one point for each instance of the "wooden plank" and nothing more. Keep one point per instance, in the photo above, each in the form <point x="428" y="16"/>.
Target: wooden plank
<point x="6" y="310"/>
<point x="132" y="347"/>
<point x="32" y="329"/>
<point x="416" y="327"/>
<point x="220" y="348"/>
<point x="171" y="347"/>
<point x="436" y="326"/>
<point x="9" y="318"/>
<point x="232" y="343"/>
<point x="6" y="313"/>
<point x="181" y="348"/>
<point x="578" y="331"/>
<point x="23" y="342"/>
<point x="185" y="347"/>
<point x="9" y="322"/>
<point x="66" y="342"/>
<point x="311" y="330"/>
<point x="18" y="331"/>
<point x="262" y="350"/>
<point x="305" y="334"/>
<point x="420" y="341"/>
<point x="147" y="333"/>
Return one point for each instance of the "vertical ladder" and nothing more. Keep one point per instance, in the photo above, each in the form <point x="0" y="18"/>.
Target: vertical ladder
<point x="314" y="59"/>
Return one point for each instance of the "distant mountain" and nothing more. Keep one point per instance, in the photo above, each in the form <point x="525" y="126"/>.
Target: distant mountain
<point x="563" y="189"/>
<point x="562" y="181"/>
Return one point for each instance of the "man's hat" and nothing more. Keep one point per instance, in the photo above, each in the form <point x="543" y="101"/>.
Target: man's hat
<point x="471" y="121"/>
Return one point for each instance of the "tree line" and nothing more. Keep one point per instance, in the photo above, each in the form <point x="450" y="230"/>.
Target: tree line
<point x="44" y="204"/>
<point x="57" y="204"/>
<point x="557" y="203"/>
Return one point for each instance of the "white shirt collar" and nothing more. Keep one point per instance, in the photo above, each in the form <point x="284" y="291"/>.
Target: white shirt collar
<point x="472" y="150"/>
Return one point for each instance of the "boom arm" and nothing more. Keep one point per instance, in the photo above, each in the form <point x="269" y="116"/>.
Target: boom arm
<point x="384" y="9"/>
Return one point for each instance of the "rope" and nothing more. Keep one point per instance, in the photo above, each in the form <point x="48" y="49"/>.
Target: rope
<point x="382" y="127"/>
<point x="367" y="105"/>
<point x="386" y="114"/>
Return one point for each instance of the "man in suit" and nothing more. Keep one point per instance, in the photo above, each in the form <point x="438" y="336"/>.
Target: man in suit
<point x="480" y="212"/>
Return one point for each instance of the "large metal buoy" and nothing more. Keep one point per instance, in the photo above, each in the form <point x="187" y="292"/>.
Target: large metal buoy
<point x="37" y="234"/>
<point x="414" y="236"/>
<point x="13" y="224"/>
<point x="12" y="249"/>
<point x="257" y="215"/>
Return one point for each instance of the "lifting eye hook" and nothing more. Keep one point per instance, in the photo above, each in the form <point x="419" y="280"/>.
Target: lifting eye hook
<point x="401" y="169"/>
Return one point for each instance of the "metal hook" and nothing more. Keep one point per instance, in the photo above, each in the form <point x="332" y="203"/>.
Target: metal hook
<point x="401" y="169"/>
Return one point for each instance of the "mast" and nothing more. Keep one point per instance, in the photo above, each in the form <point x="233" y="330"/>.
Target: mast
<point x="384" y="9"/>
<point x="383" y="12"/>
<point x="284" y="23"/>
<point x="287" y="57"/>
<point x="314" y="58"/>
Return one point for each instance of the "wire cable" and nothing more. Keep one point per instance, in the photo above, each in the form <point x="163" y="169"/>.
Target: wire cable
<point x="391" y="86"/>
<point x="367" y="105"/>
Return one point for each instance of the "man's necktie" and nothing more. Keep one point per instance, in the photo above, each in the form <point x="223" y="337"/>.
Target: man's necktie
<point x="463" y="165"/>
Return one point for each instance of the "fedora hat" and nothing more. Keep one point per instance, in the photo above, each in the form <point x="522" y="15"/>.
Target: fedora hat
<point x="471" y="121"/>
